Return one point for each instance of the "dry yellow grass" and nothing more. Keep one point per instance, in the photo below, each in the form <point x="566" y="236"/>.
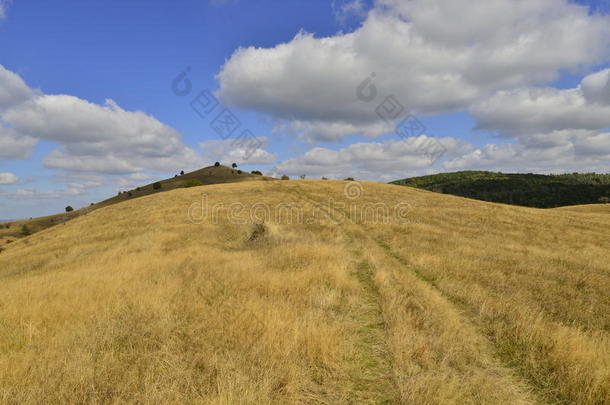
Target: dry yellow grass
<point x="464" y="302"/>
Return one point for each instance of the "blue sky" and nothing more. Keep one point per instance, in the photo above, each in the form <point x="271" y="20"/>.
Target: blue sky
<point x="293" y="86"/>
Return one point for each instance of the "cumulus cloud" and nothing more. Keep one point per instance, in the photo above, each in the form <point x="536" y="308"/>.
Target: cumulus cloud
<point x="8" y="178"/>
<point x="14" y="145"/>
<point x="13" y="89"/>
<point x="96" y="138"/>
<point x="559" y="158"/>
<point x="232" y="151"/>
<point x="596" y="87"/>
<point x="553" y="128"/>
<point x="543" y="110"/>
<point x="433" y="55"/>
<point x="376" y="161"/>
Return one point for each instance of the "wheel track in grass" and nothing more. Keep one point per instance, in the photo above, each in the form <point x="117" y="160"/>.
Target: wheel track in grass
<point x="372" y="377"/>
<point x="517" y="364"/>
<point x="540" y="395"/>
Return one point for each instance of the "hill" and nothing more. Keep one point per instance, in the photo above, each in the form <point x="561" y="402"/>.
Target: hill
<point x="206" y="176"/>
<point x="346" y="293"/>
<point x="530" y="190"/>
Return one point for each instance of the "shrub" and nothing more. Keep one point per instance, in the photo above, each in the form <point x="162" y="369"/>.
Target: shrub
<point x="239" y="172"/>
<point x="303" y="176"/>
<point x="604" y="200"/>
<point x="182" y="173"/>
<point x="284" y="177"/>
<point x="324" y="178"/>
<point x="193" y="183"/>
<point x="257" y="172"/>
<point x="129" y="194"/>
<point x="217" y="164"/>
<point x="138" y="189"/>
<point x="69" y="209"/>
<point x="234" y="165"/>
<point x="25" y="230"/>
<point x="156" y="186"/>
<point x="349" y="179"/>
<point x="258" y="230"/>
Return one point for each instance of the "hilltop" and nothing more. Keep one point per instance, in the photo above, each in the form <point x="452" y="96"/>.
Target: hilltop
<point x="309" y="292"/>
<point x="206" y="176"/>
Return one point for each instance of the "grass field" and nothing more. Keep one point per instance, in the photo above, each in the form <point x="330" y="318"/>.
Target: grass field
<point x="346" y="294"/>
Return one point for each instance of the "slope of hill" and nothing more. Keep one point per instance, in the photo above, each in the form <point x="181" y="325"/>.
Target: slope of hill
<point x="206" y="176"/>
<point x="347" y="293"/>
<point x="531" y="190"/>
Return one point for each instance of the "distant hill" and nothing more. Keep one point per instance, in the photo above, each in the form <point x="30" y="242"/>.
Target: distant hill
<point x="530" y="190"/>
<point x="206" y="176"/>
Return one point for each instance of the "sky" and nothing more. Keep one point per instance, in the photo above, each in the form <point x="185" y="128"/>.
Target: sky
<point x="97" y="97"/>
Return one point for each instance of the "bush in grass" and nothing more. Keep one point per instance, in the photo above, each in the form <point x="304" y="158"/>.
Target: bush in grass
<point x="69" y="209"/>
<point x="349" y="179"/>
<point x="25" y="230"/>
<point x="217" y="164"/>
<point x="193" y="183"/>
<point x="156" y="186"/>
<point x="258" y="173"/>
<point x="284" y="177"/>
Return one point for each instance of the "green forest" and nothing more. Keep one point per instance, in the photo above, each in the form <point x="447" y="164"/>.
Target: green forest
<point x="531" y="190"/>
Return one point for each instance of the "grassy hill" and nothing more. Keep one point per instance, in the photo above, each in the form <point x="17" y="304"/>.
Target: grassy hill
<point x="333" y="300"/>
<point x="531" y="190"/>
<point x="208" y="175"/>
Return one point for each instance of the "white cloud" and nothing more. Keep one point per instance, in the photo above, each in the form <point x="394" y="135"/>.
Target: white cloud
<point x="542" y="110"/>
<point x="596" y="87"/>
<point x="345" y="10"/>
<point x="560" y="158"/>
<point x="433" y="55"/>
<point x="8" y="178"/>
<point x="231" y="151"/>
<point x="14" y="145"/>
<point x="99" y="138"/>
<point x="553" y="128"/>
<point x="376" y="161"/>
<point x="13" y="89"/>
<point x="91" y="137"/>
<point x="134" y="180"/>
